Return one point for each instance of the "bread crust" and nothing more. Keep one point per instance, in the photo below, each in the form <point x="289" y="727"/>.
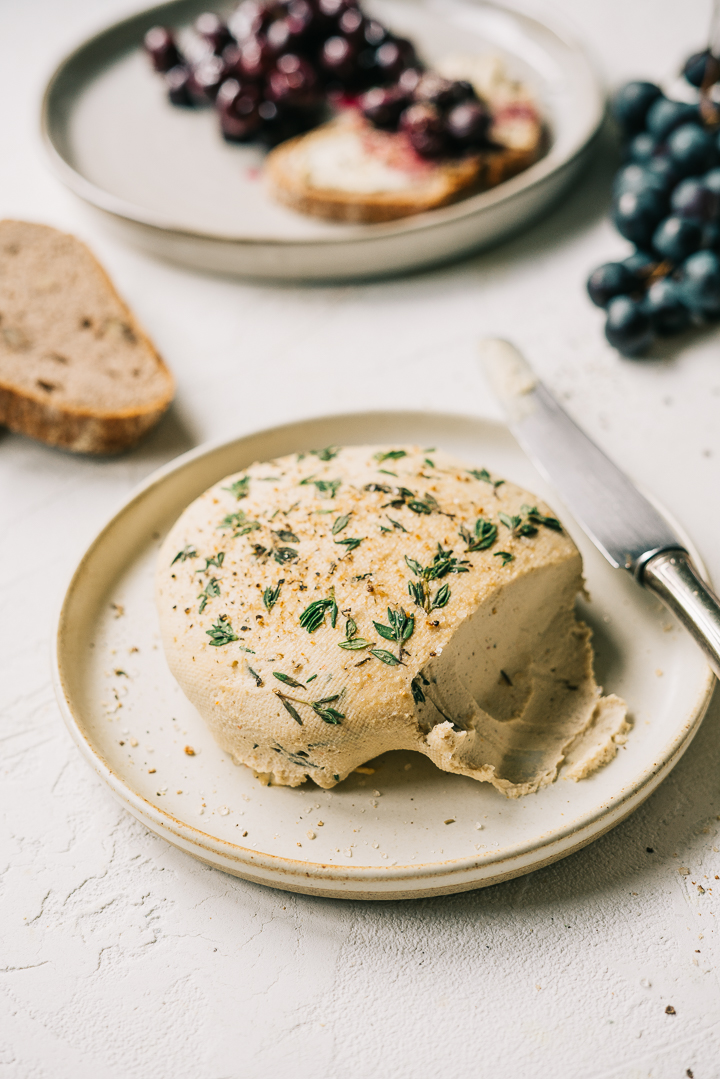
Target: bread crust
<point x="448" y="182"/>
<point x="74" y="425"/>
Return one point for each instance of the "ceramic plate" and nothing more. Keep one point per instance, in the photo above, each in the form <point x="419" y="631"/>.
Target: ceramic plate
<point x="169" y="182"/>
<point x="401" y="827"/>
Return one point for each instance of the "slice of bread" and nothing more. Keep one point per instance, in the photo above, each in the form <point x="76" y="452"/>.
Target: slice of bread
<point x="348" y="170"/>
<point x="76" y="370"/>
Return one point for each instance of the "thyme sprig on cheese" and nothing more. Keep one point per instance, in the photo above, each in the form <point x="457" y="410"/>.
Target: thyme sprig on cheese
<point x="323" y="488"/>
<point x="400" y="629"/>
<point x="352" y="641"/>
<point x="283" y="555"/>
<point x="351" y="542"/>
<point x="314" y="615"/>
<point x="403" y="496"/>
<point x="484" y="476"/>
<point x="240" y="488"/>
<point x="215" y="560"/>
<point x="221" y="632"/>
<point x="444" y="563"/>
<point x="389" y="455"/>
<point x="484" y="535"/>
<point x="187" y="552"/>
<point x="211" y="589"/>
<point x="536" y="517"/>
<point x="240" y="523"/>
<point x="272" y="595"/>
<point x="321" y="708"/>
<point x="527" y="521"/>
<point x="327" y="454"/>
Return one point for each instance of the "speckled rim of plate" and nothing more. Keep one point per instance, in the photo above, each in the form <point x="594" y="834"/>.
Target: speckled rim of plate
<point x="337" y="881"/>
<point x="547" y="177"/>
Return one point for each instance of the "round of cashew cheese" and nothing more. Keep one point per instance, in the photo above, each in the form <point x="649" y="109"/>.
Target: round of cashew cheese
<point x="323" y="608"/>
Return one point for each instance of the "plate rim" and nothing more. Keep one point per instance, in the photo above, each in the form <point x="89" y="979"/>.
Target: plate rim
<point x="344" y="881"/>
<point x="533" y="177"/>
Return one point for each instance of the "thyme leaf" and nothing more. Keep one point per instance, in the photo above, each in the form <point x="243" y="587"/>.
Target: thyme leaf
<point x="340" y="523"/>
<point x="351" y="629"/>
<point x="258" y="680"/>
<point x="441" y="597"/>
<point x="282" y="555"/>
<point x="505" y="555"/>
<point x="314" y="614"/>
<point x="289" y="707"/>
<point x="221" y="632"/>
<point x="484" y="536"/>
<point x="391" y="455"/>
<point x="216" y="561"/>
<point x="427" y="504"/>
<point x="351" y="542"/>
<point x="385" y="657"/>
<point x="404" y="497"/>
<point x="396" y="524"/>
<point x="211" y="589"/>
<point x="240" y="523"/>
<point x="323" y="488"/>
<point x="510" y="522"/>
<point x="240" y="488"/>
<point x="326" y="713"/>
<point x="527" y="522"/>
<point x="484" y="476"/>
<point x="187" y="552"/>
<point x="535" y="517"/>
<point x="300" y="758"/>
<point x="355" y="644"/>
<point x="286" y="536"/>
<point x="271" y="595"/>
<point x="287" y="680"/>
<point x="327" y="454"/>
<point x="429" y="463"/>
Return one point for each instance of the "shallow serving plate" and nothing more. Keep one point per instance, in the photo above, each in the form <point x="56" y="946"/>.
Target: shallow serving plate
<point x="166" y="179"/>
<point x="406" y="829"/>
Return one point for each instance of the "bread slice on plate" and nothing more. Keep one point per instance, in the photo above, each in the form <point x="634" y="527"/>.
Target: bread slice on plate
<point x="348" y="170"/>
<point x="76" y="370"/>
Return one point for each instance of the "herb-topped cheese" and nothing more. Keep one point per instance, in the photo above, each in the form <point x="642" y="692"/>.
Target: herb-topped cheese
<point x="323" y="608"/>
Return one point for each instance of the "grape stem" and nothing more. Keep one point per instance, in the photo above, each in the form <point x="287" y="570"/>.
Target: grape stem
<point x="709" y="111"/>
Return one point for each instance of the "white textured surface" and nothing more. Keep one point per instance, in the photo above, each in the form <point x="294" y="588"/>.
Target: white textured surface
<point x="121" y="957"/>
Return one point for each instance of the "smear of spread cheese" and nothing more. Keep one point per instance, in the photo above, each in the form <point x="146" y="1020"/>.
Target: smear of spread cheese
<point x="323" y="608"/>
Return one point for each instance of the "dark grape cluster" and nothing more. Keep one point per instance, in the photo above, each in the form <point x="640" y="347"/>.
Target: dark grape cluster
<point x="272" y="68"/>
<point x="440" y="117"/>
<point x="666" y="201"/>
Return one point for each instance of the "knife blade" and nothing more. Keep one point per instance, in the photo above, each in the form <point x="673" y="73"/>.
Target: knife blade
<point x="619" y="520"/>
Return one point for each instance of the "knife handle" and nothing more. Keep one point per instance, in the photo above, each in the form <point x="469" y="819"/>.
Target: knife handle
<point x="672" y="576"/>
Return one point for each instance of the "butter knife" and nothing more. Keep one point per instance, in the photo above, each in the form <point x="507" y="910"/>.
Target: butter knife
<point x="619" y="520"/>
